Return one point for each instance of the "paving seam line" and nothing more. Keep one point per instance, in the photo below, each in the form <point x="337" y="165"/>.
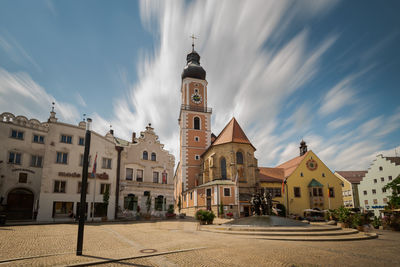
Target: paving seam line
<point x="33" y="257"/>
<point x="133" y="257"/>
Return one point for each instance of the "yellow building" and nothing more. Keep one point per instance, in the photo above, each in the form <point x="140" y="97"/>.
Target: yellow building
<point x="308" y="183"/>
<point x="350" y="181"/>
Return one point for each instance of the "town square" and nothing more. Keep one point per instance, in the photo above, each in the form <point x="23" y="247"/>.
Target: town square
<point x="199" y="133"/>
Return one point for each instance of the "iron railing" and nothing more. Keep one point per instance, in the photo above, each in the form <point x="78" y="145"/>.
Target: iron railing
<point x="196" y="108"/>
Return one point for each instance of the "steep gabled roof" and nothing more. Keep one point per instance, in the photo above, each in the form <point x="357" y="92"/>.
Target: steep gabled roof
<point x="395" y="160"/>
<point x="271" y="175"/>
<point x="354" y="177"/>
<point x="232" y="133"/>
<point x="291" y="165"/>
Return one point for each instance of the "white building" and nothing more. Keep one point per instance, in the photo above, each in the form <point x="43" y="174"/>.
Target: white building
<point x="22" y="149"/>
<point x="62" y="173"/>
<point x="41" y="171"/>
<point x="146" y="175"/>
<point x="381" y="172"/>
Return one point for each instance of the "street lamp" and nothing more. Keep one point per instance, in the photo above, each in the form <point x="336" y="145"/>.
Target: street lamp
<point x="82" y="207"/>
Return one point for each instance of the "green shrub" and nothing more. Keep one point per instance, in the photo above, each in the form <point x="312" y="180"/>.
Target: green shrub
<point x="342" y="214"/>
<point x="170" y="209"/>
<point x="376" y="222"/>
<point x="205" y="216"/>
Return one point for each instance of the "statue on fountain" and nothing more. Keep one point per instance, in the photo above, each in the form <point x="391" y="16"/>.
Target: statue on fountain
<point x="261" y="204"/>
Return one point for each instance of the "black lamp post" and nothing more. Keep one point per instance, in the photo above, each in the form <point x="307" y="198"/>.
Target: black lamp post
<point x="82" y="206"/>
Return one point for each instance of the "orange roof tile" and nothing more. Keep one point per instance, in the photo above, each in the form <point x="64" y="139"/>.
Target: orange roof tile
<point x="271" y="174"/>
<point x="232" y="133"/>
<point x="290" y="166"/>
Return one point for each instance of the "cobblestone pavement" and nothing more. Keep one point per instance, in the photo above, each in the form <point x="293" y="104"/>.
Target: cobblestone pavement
<point x="122" y="240"/>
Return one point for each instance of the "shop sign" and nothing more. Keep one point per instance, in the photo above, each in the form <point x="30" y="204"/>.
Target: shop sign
<point x="378" y="207"/>
<point x="103" y="176"/>
<point x="69" y="174"/>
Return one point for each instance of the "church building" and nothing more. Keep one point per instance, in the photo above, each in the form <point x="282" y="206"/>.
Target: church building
<point x="222" y="171"/>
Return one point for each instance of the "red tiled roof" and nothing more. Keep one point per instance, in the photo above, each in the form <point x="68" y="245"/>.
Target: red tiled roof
<point x="290" y="166"/>
<point x="354" y="177"/>
<point x="395" y="160"/>
<point x="271" y="174"/>
<point x="232" y="133"/>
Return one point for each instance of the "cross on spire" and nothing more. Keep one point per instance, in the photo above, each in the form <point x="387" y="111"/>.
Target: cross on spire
<point x="193" y="38"/>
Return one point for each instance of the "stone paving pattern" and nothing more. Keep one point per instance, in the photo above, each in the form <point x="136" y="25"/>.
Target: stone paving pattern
<point x="126" y="239"/>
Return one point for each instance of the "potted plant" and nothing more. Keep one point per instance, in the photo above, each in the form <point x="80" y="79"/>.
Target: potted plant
<point x="229" y="215"/>
<point x="210" y="217"/>
<point x="170" y="212"/>
<point x="200" y="215"/>
<point x="376" y="222"/>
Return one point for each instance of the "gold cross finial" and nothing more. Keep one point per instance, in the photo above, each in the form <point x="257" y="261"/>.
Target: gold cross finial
<point x="193" y="38"/>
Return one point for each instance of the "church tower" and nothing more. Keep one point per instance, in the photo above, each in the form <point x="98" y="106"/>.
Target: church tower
<point x="194" y="122"/>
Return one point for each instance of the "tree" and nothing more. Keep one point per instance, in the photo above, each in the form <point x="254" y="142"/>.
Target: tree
<point x="394" y="199"/>
<point x="179" y="204"/>
<point x="221" y="209"/>
<point x="148" y="203"/>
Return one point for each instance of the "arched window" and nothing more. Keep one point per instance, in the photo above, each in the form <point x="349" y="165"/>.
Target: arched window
<point x="145" y="155"/>
<point x="196" y="123"/>
<point x="239" y="157"/>
<point x="153" y="156"/>
<point x="223" y="168"/>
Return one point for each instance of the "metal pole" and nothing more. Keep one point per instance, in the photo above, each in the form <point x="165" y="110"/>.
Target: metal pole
<point x="94" y="195"/>
<point x="82" y="207"/>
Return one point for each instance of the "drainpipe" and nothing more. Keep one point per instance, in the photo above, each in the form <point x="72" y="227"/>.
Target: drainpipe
<point x="119" y="149"/>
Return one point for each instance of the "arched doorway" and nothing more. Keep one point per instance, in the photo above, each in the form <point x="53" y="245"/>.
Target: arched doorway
<point x="20" y="204"/>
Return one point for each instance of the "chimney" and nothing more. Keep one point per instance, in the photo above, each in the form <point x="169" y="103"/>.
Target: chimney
<point x="133" y="137"/>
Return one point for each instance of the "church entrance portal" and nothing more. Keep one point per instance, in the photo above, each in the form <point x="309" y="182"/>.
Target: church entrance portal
<point x="20" y="204"/>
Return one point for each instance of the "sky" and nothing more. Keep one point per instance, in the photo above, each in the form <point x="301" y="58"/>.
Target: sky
<point x="327" y="72"/>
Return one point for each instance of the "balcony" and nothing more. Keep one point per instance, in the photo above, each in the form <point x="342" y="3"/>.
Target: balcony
<point x="196" y="108"/>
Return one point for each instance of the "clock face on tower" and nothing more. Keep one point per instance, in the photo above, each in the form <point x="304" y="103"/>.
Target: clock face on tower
<point x="196" y="98"/>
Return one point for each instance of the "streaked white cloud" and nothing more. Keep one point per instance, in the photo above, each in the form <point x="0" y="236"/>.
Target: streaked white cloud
<point x="19" y="94"/>
<point x="15" y="51"/>
<point x="342" y="94"/>
<point x="80" y="100"/>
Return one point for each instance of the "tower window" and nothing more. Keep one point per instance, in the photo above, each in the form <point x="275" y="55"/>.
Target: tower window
<point x="196" y="123"/>
<point x="196" y="139"/>
<point x="380" y="168"/>
<point x="197" y="157"/>
<point x="239" y="157"/>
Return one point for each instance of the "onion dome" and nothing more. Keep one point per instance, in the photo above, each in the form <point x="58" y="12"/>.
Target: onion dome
<point x="193" y="68"/>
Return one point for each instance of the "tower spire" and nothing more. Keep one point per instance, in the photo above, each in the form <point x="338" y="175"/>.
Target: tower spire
<point x="193" y="38"/>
